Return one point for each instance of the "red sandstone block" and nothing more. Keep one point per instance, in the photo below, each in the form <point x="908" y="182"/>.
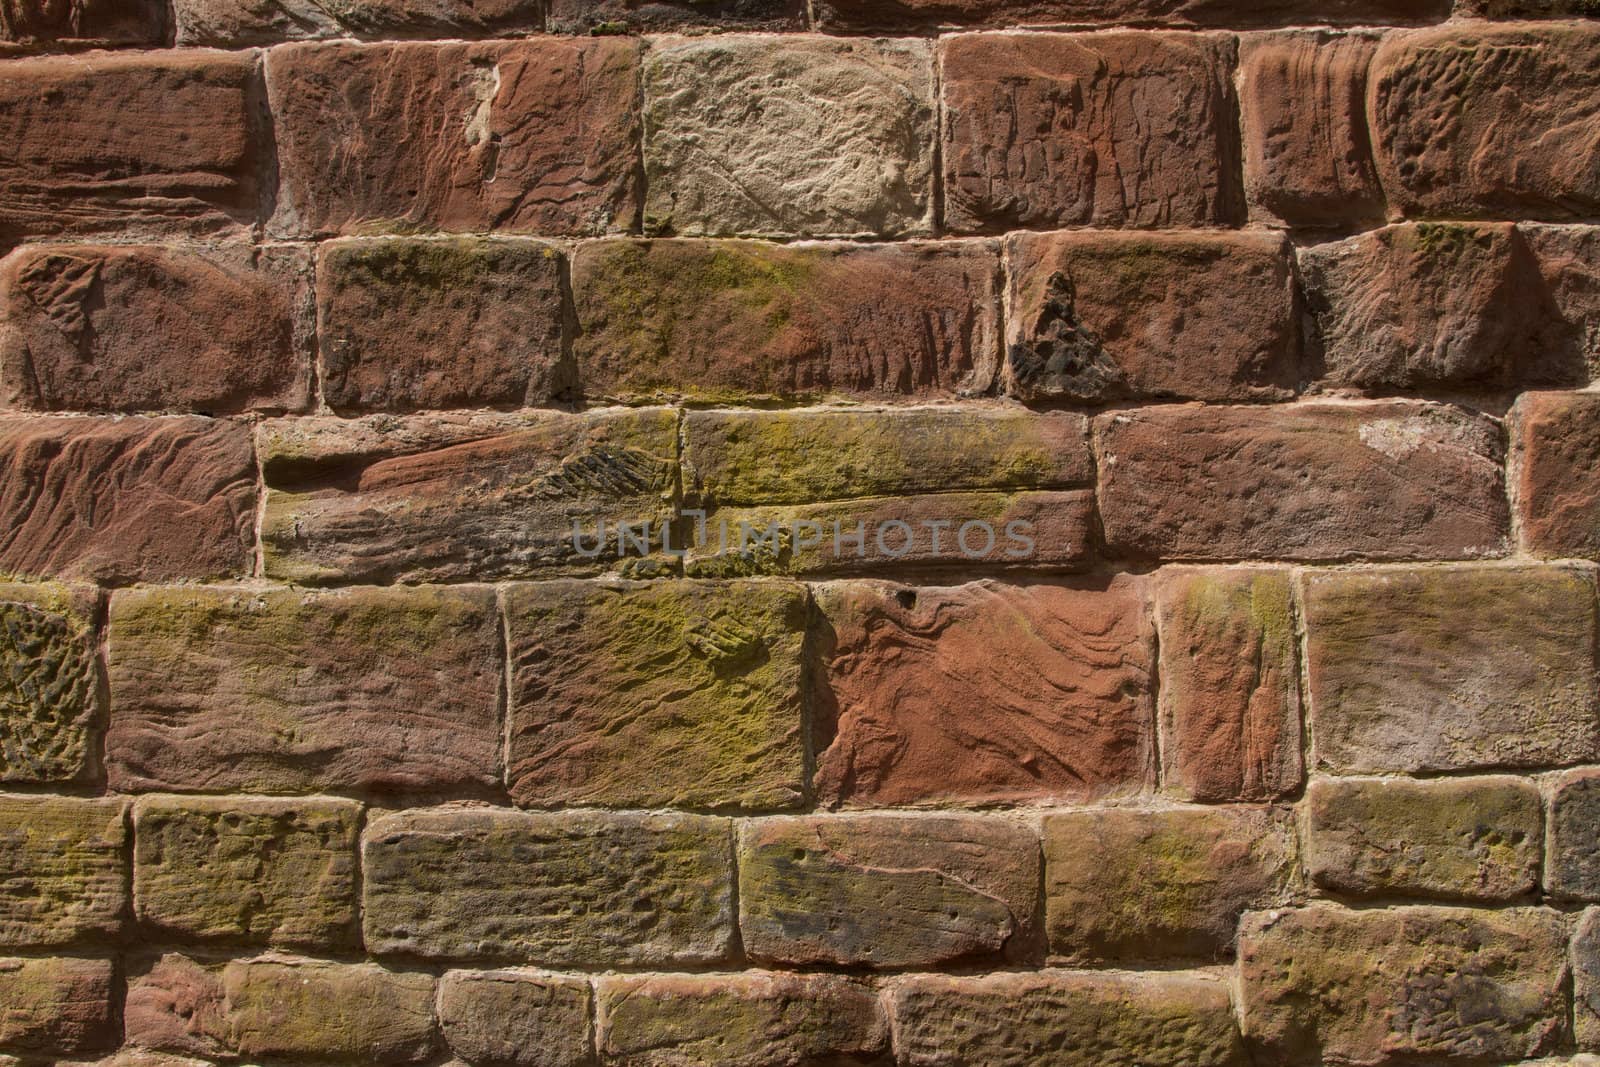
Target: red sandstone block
<point x="1303" y="114"/>
<point x="56" y="1007"/>
<point x="1477" y="120"/>
<point x="152" y="144"/>
<point x="1555" y="473"/>
<point x="232" y="23"/>
<point x="1045" y="130"/>
<point x="515" y="1018"/>
<point x="102" y="23"/>
<point x="892" y="16"/>
<point x="122" y="500"/>
<point x="1096" y="317"/>
<point x="148" y="328"/>
<point x="982" y="693"/>
<point x="530" y="136"/>
<point x="1316" y="481"/>
<point x="653" y="16"/>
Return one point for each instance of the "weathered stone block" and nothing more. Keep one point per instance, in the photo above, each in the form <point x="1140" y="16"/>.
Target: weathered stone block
<point x="281" y="1008"/>
<point x="248" y="869"/>
<point x="1450" y="668"/>
<point x="126" y="500"/>
<point x="1555" y="460"/>
<point x="1572" y="860"/>
<point x="584" y="889"/>
<point x="515" y="1018"/>
<point x="1423" y="306"/>
<point x="1047" y="130"/>
<point x="1418" y="984"/>
<point x="1150" y="886"/>
<point x="531" y="136"/>
<point x="1096" y="317"/>
<point x="732" y="320"/>
<point x="1303" y="113"/>
<point x="1568" y="258"/>
<point x="918" y="16"/>
<point x="1230" y="684"/>
<point x="466" y="496"/>
<point x="887" y="890"/>
<point x="1065" y="1019"/>
<point x="1586" y="980"/>
<point x="1317" y="481"/>
<point x="92" y="146"/>
<point x="292" y="691"/>
<point x="404" y="324"/>
<point x="785" y="135"/>
<point x="146" y="328"/>
<point x="102" y="23"/>
<point x="63" y="872"/>
<point x="654" y="16"/>
<point x="1474" y="120"/>
<point x="50" y="700"/>
<point x="656" y="694"/>
<point x="56" y="1006"/>
<point x="231" y="24"/>
<point x="1453" y="839"/>
<point x="982" y="693"/>
<point x="750" y="1019"/>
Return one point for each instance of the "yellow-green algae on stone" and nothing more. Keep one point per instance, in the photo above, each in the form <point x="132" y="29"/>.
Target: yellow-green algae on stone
<point x="56" y="1006"/>
<point x="516" y="1018"/>
<point x="63" y="870"/>
<point x="49" y="698"/>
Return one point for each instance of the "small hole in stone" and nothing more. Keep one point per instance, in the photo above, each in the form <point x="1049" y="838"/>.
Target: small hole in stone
<point x="906" y="599"/>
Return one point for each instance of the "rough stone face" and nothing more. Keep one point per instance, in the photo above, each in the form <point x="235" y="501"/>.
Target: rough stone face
<point x="234" y="23"/>
<point x="533" y="136"/>
<point x="515" y="1018"/>
<point x="653" y="16"/>
<point x="462" y="496"/>
<point x="1555" y="455"/>
<point x="293" y="691"/>
<point x="1402" y="984"/>
<point x="1065" y="1019"/>
<point x="656" y="694"/>
<point x="918" y="16"/>
<point x="122" y="500"/>
<point x="1472" y="120"/>
<point x="751" y="1019"/>
<point x="1453" y="839"/>
<point x="1450" y="668"/>
<point x="982" y="693"/>
<point x="1230" y="690"/>
<point x="585" y="889"/>
<point x="455" y="323"/>
<point x="92" y="148"/>
<point x="1395" y="480"/>
<point x="887" y="890"/>
<point x="1125" y="885"/>
<point x="1423" y="306"/>
<point x="801" y="457"/>
<point x="1569" y="269"/>
<point x="100" y="23"/>
<point x="730" y="320"/>
<point x="1097" y="317"/>
<point x="49" y="683"/>
<point x="63" y="875"/>
<point x="1586" y="980"/>
<point x="789" y="135"/>
<point x="155" y="329"/>
<point x="1303" y="106"/>
<point x="282" y="1007"/>
<point x="56" y="1006"/>
<point x="1042" y="131"/>
<point x="248" y="869"/>
<point x="1572" y="866"/>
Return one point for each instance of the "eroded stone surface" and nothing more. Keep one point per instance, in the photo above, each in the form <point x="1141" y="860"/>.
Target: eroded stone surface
<point x="917" y="16"/>
<point x="1586" y="980"/>
<point x="652" y="16"/>
<point x="462" y="496"/>
<point x="1572" y="865"/>
<point x="887" y="890"/>
<point x="147" y="328"/>
<point x="529" y="136"/>
<point x="751" y="1019"/>
<point x="1461" y="839"/>
<point x="63" y="874"/>
<point x="1450" y="668"/>
<point x="1555" y="454"/>
<point x="982" y="692"/>
<point x="248" y="869"/>
<point x="56" y="1006"/>
<point x="232" y="23"/>
<point x="656" y="694"/>
<point x="583" y="890"/>
<point x="104" y="23"/>
<point x="1043" y="131"/>
<point x="1065" y="1019"/>
<point x="515" y="1018"/>
<point x="1096" y="317"/>
<point x="49" y="682"/>
<point x="1385" y="985"/>
<point x="293" y="691"/>
<point x="122" y="500"/>
<point x="1477" y="120"/>
<point x="1569" y="268"/>
<point x="454" y="323"/>
<point x="785" y="135"/>
<point x="1396" y="480"/>
<point x="730" y="320"/>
